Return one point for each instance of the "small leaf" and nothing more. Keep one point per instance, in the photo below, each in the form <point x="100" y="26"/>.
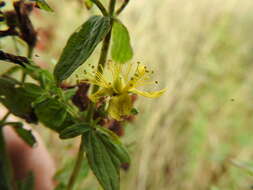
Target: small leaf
<point x="26" y="135"/>
<point x="105" y="158"/>
<point x="42" y="4"/>
<point x="80" y="46"/>
<point x="74" y="130"/>
<point x="121" y="45"/>
<point x="23" y="133"/>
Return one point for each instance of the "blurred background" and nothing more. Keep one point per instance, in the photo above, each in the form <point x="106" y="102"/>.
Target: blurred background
<point x="198" y="136"/>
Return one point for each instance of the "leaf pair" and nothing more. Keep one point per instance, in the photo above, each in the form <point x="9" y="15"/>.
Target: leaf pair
<point x="105" y="156"/>
<point x="104" y="152"/>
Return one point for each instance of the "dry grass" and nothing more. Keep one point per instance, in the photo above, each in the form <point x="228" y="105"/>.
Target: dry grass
<point x="202" y="51"/>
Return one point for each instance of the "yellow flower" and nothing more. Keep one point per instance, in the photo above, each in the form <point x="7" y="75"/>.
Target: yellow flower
<point x="117" y="83"/>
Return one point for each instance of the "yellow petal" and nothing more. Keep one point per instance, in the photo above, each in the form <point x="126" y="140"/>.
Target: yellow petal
<point x="120" y="106"/>
<point x="100" y="93"/>
<point x="154" y="94"/>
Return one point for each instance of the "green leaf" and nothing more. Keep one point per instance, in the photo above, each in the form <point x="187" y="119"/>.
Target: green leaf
<point x="42" y="4"/>
<point x="26" y="135"/>
<point x="121" y="45"/>
<point x="118" y="148"/>
<point x="74" y="130"/>
<point x="80" y="45"/>
<point x="23" y="133"/>
<point x="14" y="97"/>
<point x="105" y="158"/>
<point x="53" y="114"/>
<point x="27" y="183"/>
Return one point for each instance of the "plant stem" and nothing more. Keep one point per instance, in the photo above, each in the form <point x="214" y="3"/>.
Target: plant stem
<point x="106" y="43"/>
<point x="77" y="167"/>
<point x="112" y="7"/>
<point x="100" y="6"/>
<point x="102" y="61"/>
<point x="122" y="7"/>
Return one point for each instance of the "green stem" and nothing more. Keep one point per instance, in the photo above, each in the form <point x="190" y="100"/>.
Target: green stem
<point x="122" y="7"/>
<point x="106" y="43"/>
<point x="112" y="7"/>
<point x="77" y="167"/>
<point x="102" y="61"/>
<point x="100" y="6"/>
